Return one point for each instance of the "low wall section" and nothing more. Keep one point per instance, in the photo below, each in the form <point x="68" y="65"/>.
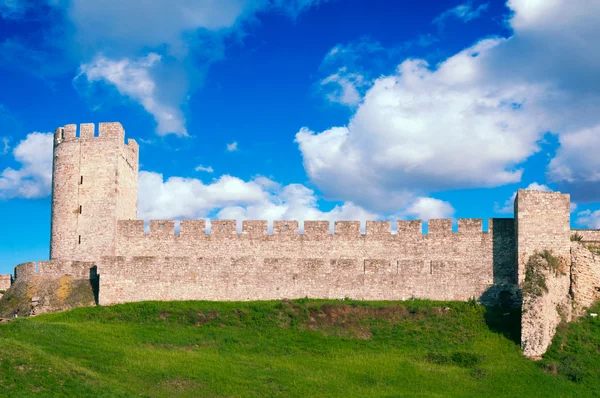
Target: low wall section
<point x="5" y="281"/>
<point x="589" y="235"/>
<point x="254" y="265"/>
<point x="54" y="269"/>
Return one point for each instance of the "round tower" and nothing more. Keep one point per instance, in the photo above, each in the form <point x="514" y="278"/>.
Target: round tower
<point x="94" y="183"/>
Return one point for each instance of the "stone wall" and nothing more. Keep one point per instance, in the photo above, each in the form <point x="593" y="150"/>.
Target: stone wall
<point x="54" y="269"/>
<point x="585" y="277"/>
<point x="543" y="224"/>
<point x="589" y="235"/>
<point x="94" y="182"/>
<point x="254" y="265"/>
<point x="5" y="282"/>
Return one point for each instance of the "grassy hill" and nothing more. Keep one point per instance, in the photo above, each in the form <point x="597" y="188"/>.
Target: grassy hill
<point x="297" y="348"/>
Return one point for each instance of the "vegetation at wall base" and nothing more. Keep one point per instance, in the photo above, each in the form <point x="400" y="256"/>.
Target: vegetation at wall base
<point x="576" y="237"/>
<point x="294" y="348"/>
<point x="536" y="268"/>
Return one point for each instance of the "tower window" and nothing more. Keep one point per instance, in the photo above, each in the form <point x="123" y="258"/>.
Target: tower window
<point x="79" y="239"/>
<point x="79" y="209"/>
<point x="81" y="180"/>
<point x="62" y="134"/>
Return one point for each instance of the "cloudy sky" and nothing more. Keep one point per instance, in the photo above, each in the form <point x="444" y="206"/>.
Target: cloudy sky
<point x="306" y="109"/>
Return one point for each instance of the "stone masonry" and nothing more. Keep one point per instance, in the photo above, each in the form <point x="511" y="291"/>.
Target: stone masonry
<point x="95" y="233"/>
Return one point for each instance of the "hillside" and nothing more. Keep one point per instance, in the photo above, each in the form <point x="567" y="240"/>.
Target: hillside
<point x="296" y="348"/>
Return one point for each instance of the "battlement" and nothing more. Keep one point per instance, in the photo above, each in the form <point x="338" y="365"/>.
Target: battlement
<point x="313" y="229"/>
<point x="87" y="131"/>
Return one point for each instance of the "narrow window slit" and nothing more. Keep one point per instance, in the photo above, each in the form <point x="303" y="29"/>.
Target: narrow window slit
<point x="79" y="239"/>
<point x="81" y="181"/>
<point x="79" y="209"/>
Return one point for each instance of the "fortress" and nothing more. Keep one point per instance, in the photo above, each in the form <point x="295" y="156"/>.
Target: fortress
<point x="95" y="236"/>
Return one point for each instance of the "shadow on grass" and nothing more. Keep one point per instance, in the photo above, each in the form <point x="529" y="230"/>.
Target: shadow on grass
<point x="506" y="321"/>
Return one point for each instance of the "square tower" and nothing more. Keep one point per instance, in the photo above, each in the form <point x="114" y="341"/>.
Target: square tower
<point x="94" y="184"/>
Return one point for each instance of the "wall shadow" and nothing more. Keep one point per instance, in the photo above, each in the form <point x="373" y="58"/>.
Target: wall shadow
<point x="95" y="282"/>
<point x="503" y="299"/>
<point x="505" y="321"/>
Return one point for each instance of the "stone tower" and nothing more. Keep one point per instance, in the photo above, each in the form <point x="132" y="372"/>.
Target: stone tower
<point x="94" y="184"/>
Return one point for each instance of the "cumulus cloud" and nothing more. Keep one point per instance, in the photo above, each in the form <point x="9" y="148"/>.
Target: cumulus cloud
<point x="464" y="12"/>
<point x="158" y="52"/>
<point x="576" y="167"/>
<point x="428" y="208"/>
<point x="423" y="129"/>
<point x="588" y="218"/>
<point x="207" y="169"/>
<point x="232" y="198"/>
<point x="34" y="177"/>
<point x="134" y="79"/>
<point x="508" y="206"/>
<point x="473" y="119"/>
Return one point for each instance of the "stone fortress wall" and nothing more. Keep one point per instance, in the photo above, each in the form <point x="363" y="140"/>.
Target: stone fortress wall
<point x="94" y="232"/>
<point x="254" y="265"/>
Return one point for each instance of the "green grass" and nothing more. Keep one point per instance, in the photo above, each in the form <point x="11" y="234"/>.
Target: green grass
<point x="299" y="348"/>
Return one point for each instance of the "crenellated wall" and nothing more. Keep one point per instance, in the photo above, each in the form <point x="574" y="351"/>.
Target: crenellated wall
<point x="255" y="265"/>
<point x="94" y="231"/>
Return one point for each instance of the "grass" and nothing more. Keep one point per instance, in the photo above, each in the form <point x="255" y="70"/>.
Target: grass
<point x="297" y="348"/>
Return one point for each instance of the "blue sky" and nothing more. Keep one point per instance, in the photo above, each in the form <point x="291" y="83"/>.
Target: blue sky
<point x="305" y="109"/>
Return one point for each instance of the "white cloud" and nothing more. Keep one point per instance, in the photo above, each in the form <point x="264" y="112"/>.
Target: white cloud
<point x="208" y="169"/>
<point x="465" y="12"/>
<point x="428" y="208"/>
<point x="576" y="166"/>
<point x="508" y="206"/>
<point x="233" y="198"/>
<point x="422" y="130"/>
<point x="165" y="46"/>
<point x="589" y="219"/>
<point x="34" y="178"/>
<point x="5" y="145"/>
<point x="343" y="87"/>
<point x="473" y="119"/>
<point x="232" y="147"/>
<point x="134" y="79"/>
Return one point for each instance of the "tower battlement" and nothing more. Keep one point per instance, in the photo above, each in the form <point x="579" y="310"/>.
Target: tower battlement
<point x="94" y="183"/>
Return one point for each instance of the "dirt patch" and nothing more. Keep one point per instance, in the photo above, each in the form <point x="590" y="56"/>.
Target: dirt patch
<point x="347" y="320"/>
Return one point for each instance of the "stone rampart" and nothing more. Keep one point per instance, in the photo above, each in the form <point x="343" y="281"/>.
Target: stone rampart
<point x="53" y="269"/>
<point x="543" y="226"/>
<point x="5" y="281"/>
<point x="585" y="277"/>
<point x="588" y="235"/>
<point x="254" y="265"/>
